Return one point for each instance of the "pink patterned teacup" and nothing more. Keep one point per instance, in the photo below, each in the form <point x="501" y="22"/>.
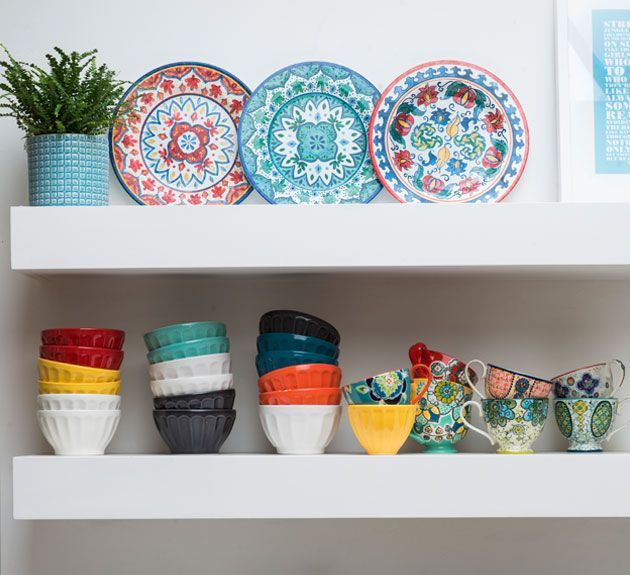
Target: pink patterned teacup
<point x="501" y="383"/>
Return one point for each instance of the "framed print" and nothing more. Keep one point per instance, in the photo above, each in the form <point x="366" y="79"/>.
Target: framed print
<point x="593" y="55"/>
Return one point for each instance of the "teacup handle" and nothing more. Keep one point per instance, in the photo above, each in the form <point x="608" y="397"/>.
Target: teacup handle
<point x="416" y="348"/>
<point x="623" y="374"/>
<point x="481" y="379"/>
<point x="429" y="379"/>
<point x="626" y="424"/>
<point x="470" y="425"/>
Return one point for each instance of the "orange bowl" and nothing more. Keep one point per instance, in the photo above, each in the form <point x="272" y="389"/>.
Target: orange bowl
<point x="320" y="396"/>
<point x="305" y="376"/>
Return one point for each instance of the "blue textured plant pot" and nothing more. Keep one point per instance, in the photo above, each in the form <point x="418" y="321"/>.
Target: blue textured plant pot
<point x="68" y="170"/>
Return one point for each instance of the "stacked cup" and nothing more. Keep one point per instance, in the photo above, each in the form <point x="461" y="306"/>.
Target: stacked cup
<point x="514" y="407"/>
<point x="381" y="411"/>
<point x="79" y="382"/>
<point x="299" y="381"/>
<point x="192" y="387"/>
<point x="586" y="405"/>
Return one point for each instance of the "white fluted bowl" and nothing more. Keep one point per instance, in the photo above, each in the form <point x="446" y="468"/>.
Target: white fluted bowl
<point x="75" y="432"/>
<point x="300" y="429"/>
<point x="191" y="385"/>
<point x="77" y="401"/>
<point x="198" y="366"/>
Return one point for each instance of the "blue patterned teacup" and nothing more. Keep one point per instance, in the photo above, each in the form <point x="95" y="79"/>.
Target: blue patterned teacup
<point x="439" y="419"/>
<point x="587" y="422"/>
<point x="590" y="381"/>
<point x="389" y="388"/>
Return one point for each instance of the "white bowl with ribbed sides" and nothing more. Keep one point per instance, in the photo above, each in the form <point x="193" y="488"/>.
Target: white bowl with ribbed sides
<point x="300" y="429"/>
<point x="198" y="366"/>
<point x="77" y="432"/>
<point x="77" y="401"/>
<point x="191" y="385"/>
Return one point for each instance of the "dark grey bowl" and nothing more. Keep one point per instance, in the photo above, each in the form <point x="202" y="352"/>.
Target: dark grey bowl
<point x="194" y="430"/>
<point x="289" y="321"/>
<point x="212" y="400"/>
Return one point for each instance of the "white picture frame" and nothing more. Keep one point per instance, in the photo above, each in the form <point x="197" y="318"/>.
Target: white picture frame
<point x="590" y="167"/>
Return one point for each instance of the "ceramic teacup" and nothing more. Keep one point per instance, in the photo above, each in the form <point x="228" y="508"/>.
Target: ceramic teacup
<point x="439" y="416"/>
<point x="587" y="422"/>
<point x="589" y="381"/>
<point x="389" y="388"/>
<point x="501" y="383"/>
<point x="513" y="424"/>
<point x="442" y="366"/>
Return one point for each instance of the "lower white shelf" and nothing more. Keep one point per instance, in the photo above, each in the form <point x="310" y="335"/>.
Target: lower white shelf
<point x="329" y="486"/>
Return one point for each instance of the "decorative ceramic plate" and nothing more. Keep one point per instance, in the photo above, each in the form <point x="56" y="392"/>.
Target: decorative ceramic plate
<point x="175" y="137"/>
<point x="448" y="131"/>
<point x="303" y="138"/>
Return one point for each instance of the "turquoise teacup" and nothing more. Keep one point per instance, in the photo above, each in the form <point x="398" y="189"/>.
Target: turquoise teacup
<point x="587" y="422"/>
<point x="389" y="388"/>
<point x="439" y="421"/>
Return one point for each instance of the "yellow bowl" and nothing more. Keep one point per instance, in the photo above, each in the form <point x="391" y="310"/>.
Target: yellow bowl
<point x="57" y="372"/>
<point x="381" y="429"/>
<point x="112" y="388"/>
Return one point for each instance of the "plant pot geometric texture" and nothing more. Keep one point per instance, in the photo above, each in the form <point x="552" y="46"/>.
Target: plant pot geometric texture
<point x="68" y="170"/>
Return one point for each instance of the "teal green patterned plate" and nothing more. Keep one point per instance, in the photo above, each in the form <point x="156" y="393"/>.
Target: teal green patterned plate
<point x="303" y="136"/>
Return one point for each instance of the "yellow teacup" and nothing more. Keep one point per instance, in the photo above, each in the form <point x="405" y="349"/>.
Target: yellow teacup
<point x="381" y="429"/>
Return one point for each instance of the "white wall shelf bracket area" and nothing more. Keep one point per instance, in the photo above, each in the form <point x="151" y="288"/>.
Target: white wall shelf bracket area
<point x="329" y="486"/>
<point x="552" y="239"/>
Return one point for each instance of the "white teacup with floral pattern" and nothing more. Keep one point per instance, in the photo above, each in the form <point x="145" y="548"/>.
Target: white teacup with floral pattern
<point x="512" y="423"/>
<point x="590" y="381"/>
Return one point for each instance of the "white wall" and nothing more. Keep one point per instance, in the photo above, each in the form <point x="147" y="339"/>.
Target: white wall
<point x="541" y="326"/>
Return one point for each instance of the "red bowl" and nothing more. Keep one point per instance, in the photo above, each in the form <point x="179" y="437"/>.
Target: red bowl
<point x="320" y="396"/>
<point x="99" y="357"/>
<point x="84" y="336"/>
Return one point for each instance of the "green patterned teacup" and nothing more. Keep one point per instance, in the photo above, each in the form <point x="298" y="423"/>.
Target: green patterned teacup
<point x="439" y="417"/>
<point x="512" y="423"/>
<point x="587" y="422"/>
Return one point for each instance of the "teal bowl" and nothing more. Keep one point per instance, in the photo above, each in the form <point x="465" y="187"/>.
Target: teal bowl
<point x="389" y="388"/>
<point x="193" y="348"/>
<point x="294" y="342"/>
<point x="182" y="332"/>
<point x="272" y="360"/>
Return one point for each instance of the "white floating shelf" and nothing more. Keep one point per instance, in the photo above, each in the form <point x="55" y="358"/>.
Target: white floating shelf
<point x="329" y="486"/>
<point x="530" y="239"/>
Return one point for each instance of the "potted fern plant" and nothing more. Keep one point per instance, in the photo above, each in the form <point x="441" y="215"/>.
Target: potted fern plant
<point x="65" y="112"/>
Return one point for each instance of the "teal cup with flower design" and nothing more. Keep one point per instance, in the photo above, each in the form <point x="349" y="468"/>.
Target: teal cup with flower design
<point x="389" y="388"/>
<point x="587" y="422"/>
<point x="513" y="424"/>
<point x="439" y="423"/>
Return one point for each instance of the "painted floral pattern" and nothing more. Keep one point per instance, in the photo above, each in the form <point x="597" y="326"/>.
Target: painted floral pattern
<point x="449" y="133"/>
<point x="304" y="136"/>
<point x="585" y="422"/>
<point x="515" y="423"/>
<point x="391" y="388"/>
<point x="592" y="381"/>
<point x="175" y="138"/>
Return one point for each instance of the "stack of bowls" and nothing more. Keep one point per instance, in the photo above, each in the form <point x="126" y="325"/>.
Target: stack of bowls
<point x="79" y="382"/>
<point x="299" y="379"/>
<point x="381" y="411"/>
<point x="192" y="387"/>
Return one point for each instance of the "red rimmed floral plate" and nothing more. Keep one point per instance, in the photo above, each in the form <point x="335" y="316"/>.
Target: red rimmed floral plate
<point x="449" y="132"/>
<point x="174" y="140"/>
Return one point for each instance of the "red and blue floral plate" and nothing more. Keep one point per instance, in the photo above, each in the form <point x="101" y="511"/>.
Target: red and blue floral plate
<point x="448" y="131"/>
<point x="174" y="140"/>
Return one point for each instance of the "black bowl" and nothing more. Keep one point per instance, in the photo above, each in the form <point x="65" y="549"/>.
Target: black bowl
<point x="194" y="430"/>
<point x="212" y="400"/>
<point x="287" y="321"/>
